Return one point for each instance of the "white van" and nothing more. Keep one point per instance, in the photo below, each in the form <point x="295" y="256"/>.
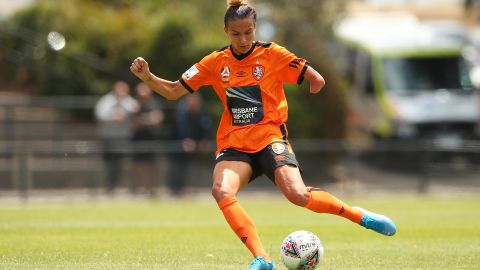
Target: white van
<point x="408" y="79"/>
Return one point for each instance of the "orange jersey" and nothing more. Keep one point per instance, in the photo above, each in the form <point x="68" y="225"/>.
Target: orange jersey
<point x="250" y="87"/>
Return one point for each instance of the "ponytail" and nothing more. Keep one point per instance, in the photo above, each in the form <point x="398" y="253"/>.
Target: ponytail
<point x="237" y="2"/>
<point x="239" y="9"/>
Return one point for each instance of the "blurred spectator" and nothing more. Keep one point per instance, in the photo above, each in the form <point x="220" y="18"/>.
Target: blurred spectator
<point x="472" y="11"/>
<point x="191" y="130"/>
<point x="146" y="122"/>
<point x="113" y="113"/>
<point x="467" y="4"/>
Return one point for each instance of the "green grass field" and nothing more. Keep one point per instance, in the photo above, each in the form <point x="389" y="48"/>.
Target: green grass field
<point x="433" y="233"/>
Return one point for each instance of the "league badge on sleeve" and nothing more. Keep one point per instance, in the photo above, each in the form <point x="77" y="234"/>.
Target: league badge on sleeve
<point x="191" y="72"/>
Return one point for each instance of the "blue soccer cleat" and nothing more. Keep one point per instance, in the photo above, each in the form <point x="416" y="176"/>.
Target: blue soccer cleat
<point x="376" y="222"/>
<point x="259" y="263"/>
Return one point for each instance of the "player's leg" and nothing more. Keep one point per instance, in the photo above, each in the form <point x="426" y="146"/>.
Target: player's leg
<point x="289" y="181"/>
<point x="280" y="165"/>
<point x="228" y="178"/>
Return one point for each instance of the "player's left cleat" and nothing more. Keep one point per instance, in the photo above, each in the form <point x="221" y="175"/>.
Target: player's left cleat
<point x="377" y="222"/>
<point x="260" y="263"/>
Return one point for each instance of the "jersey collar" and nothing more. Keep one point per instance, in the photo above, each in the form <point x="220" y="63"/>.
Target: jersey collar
<point x="240" y="57"/>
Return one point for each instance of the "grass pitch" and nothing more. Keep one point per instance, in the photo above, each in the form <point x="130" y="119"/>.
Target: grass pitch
<point x="433" y="233"/>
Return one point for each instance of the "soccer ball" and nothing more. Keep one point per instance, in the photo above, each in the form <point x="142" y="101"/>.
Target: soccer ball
<point x="301" y="250"/>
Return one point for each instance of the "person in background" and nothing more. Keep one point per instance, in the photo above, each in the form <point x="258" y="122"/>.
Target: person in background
<point x="146" y="122"/>
<point x="113" y="113"/>
<point x="192" y="127"/>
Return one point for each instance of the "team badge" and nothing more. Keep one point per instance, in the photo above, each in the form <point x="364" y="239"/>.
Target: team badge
<point x="258" y="71"/>
<point x="278" y="148"/>
<point x="225" y="73"/>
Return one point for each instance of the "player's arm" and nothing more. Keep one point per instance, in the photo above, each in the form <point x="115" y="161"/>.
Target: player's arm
<point x="168" y="89"/>
<point x="315" y="79"/>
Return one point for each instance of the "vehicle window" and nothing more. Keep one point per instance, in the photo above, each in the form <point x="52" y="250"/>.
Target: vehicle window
<point x="411" y="74"/>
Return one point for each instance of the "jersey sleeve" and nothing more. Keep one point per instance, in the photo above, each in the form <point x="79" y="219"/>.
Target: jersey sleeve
<point x="290" y="68"/>
<point x="198" y="75"/>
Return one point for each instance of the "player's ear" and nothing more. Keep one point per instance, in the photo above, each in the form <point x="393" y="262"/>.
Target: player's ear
<point x="225" y="29"/>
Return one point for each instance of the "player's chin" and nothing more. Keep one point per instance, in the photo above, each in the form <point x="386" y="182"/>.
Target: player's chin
<point x="243" y="49"/>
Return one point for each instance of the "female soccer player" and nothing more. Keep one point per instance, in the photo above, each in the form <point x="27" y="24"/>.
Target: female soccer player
<point x="248" y="77"/>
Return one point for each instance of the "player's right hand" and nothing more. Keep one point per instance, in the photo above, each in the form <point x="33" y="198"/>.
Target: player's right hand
<point x="139" y="68"/>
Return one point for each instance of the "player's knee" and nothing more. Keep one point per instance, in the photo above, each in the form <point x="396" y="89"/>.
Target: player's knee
<point x="298" y="196"/>
<point x="220" y="192"/>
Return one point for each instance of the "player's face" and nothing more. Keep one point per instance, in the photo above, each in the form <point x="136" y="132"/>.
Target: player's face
<point x="241" y="34"/>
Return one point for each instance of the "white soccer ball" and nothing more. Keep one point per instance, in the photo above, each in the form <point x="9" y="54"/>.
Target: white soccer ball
<point x="301" y="250"/>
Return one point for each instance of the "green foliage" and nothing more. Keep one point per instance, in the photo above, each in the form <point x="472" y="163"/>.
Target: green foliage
<point x="322" y="115"/>
<point x="175" y="38"/>
<point x="102" y="38"/>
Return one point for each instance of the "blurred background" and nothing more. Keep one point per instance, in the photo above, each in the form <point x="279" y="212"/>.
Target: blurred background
<point x="400" y="111"/>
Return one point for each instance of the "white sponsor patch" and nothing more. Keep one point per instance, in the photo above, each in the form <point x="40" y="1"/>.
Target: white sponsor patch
<point x="191" y="72"/>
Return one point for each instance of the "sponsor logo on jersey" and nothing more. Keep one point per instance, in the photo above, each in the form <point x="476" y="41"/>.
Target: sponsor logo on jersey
<point x="191" y="72"/>
<point x="245" y="104"/>
<point x="258" y="71"/>
<point x="240" y="74"/>
<point x="225" y="73"/>
<point x="278" y="148"/>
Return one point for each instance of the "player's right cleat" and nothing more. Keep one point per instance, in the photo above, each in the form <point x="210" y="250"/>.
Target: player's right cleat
<point x="377" y="222"/>
<point x="260" y="263"/>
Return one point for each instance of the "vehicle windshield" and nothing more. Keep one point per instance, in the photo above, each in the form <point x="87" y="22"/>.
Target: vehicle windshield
<point x="412" y="74"/>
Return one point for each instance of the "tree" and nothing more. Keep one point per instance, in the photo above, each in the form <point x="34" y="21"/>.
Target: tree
<point x="305" y="28"/>
<point x="102" y="38"/>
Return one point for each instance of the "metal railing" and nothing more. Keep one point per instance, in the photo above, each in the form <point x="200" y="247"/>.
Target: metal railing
<point x="37" y="152"/>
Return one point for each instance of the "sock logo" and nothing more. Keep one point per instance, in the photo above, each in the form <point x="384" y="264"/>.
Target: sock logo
<point x="342" y="210"/>
<point x="244" y="239"/>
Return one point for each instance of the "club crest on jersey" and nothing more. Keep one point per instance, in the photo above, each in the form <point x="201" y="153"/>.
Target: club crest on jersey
<point x="278" y="148"/>
<point x="225" y="73"/>
<point x="258" y="71"/>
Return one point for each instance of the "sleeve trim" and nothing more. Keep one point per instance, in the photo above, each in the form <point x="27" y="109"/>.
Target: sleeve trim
<point x="186" y="85"/>
<point x="301" y="76"/>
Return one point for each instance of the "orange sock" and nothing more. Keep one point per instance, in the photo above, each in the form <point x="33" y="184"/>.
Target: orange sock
<point x="242" y="225"/>
<point x="323" y="202"/>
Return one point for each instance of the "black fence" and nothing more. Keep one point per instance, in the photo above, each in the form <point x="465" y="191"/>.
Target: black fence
<point x="42" y="146"/>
